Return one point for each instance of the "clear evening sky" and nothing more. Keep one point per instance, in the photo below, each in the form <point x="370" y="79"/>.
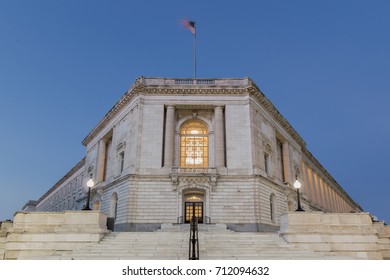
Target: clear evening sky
<point x="324" y="64"/>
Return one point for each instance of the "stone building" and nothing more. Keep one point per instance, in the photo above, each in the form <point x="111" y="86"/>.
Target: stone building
<point x="218" y="148"/>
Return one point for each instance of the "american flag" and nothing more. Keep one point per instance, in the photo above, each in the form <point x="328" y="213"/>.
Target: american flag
<point x="190" y="25"/>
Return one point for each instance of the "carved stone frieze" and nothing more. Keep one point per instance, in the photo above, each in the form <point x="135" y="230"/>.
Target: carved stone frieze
<point x="183" y="113"/>
<point x="179" y="181"/>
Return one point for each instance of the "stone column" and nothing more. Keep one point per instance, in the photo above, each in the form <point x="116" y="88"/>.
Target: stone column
<point x="306" y="182"/>
<point x="319" y="185"/>
<point x="317" y="190"/>
<point x="343" y="205"/>
<point x="334" y="201"/>
<point x="219" y="137"/>
<point x="327" y="196"/>
<point x="101" y="160"/>
<point x="310" y="182"/>
<point x="169" y="136"/>
<point x="286" y="162"/>
<point x="322" y="191"/>
<point x="338" y="203"/>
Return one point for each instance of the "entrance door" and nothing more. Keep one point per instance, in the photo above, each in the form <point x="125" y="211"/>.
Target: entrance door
<point x="194" y="208"/>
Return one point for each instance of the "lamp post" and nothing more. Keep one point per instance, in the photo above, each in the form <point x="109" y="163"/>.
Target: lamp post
<point x="90" y="184"/>
<point x="297" y="185"/>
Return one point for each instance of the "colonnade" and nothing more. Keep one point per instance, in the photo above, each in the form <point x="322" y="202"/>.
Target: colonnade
<point x="322" y="193"/>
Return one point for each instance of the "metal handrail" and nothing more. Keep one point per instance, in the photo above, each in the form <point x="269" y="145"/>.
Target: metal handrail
<point x="193" y="251"/>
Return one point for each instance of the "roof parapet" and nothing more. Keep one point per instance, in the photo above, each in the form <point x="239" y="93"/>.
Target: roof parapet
<point x="217" y="82"/>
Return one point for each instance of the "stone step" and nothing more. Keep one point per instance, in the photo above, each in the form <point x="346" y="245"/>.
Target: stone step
<point x="186" y="228"/>
<point x="219" y="244"/>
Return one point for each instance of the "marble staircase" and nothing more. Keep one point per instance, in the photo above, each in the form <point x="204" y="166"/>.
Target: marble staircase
<point x="172" y="242"/>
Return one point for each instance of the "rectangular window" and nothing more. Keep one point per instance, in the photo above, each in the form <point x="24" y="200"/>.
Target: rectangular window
<point x="280" y="159"/>
<point x="121" y="161"/>
<point x="106" y="157"/>
<point x="266" y="163"/>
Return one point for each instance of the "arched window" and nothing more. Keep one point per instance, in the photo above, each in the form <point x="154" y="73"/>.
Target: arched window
<point x="194" y="144"/>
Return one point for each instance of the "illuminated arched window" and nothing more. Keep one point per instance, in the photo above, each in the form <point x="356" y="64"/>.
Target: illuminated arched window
<point x="194" y="144"/>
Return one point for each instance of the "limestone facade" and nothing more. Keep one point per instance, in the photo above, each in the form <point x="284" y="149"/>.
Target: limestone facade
<point x="170" y="147"/>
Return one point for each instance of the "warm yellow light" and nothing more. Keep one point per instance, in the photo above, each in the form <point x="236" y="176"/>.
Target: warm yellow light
<point x="194" y="198"/>
<point x="194" y="144"/>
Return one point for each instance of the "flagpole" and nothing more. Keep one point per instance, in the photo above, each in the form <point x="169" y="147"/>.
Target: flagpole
<point x="190" y="25"/>
<point x="195" y="55"/>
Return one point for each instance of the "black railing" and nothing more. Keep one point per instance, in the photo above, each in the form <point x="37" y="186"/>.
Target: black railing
<point x="193" y="251"/>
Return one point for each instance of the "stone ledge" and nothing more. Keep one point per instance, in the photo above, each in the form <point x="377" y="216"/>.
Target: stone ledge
<point x="41" y="234"/>
<point x="340" y="234"/>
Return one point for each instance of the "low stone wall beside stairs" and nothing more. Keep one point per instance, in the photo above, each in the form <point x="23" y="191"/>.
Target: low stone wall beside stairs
<point x="42" y="234"/>
<point x="335" y="234"/>
<point x="84" y="235"/>
<point x="383" y="239"/>
<point x="4" y="228"/>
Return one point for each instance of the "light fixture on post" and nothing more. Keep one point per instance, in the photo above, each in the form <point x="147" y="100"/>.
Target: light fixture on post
<point x="90" y="185"/>
<point x="297" y="185"/>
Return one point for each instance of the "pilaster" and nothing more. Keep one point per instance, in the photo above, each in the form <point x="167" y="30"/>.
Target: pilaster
<point x="101" y="160"/>
<point x="286" y="162"/>
<point x="169" y="137"/>
<point x="219" y="138"/>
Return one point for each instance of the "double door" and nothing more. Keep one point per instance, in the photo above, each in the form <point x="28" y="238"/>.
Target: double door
<point x="194" y="209"/>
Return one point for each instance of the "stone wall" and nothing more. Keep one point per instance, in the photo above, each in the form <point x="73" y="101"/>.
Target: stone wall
<point x="37" y="235"/>
<point x="334" y="234"/>
<point x="383" y="239"/>
<point x="4" y="228"/>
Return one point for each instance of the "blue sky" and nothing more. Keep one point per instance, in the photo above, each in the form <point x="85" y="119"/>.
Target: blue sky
<point x="324" y="64"/>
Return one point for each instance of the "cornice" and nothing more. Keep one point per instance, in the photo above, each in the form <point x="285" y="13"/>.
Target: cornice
<point x="123" y="101"/>
<point x="140" y="86"/>
<point x="74" y="169"/>
<point x="333" y="183"/>
<point x="248" y="87"/>
<point x="267" y="104"/>
<point x="193" y="91"/>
